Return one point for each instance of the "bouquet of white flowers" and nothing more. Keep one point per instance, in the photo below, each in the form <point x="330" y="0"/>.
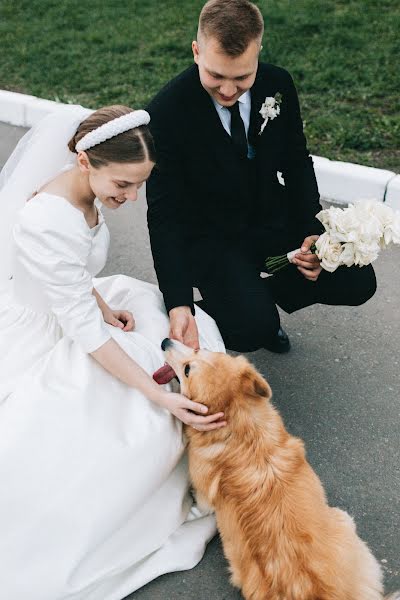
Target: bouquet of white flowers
<point x="353" y="236"/>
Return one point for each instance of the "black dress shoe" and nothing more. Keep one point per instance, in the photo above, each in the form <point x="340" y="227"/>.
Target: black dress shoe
<point x="280" y="343"/>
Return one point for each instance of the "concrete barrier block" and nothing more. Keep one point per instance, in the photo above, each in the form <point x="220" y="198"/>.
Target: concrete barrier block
<point x="12" y="108"/>
<point x="23" y="110"/>
<point x="344" y="182"/>
<point x="319" y="161"/>
<point x="393" y="193"/>
<point x="37" y="108"/>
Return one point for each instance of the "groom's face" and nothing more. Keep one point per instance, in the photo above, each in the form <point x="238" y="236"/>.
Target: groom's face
<point x="225" y="77"/>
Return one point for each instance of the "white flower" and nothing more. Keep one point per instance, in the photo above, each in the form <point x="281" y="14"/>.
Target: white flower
<point x="322" y="244"/>
<point x="329" y="218"/>
<point x="347" y="225"/>
<point x="355" y="223"/>
<point x="391" y="234"/>
<point x="328" y="252"/>
<point x="371" y="227"/>
<point x="347" y="256"/>
<point x="389" y="219"/>
<point x="365" y="253"/>
<point x="270" y="109"/>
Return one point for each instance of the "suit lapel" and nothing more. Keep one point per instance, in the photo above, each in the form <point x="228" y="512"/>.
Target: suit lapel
<point x="257" y="98"/>
<point x="267" y="145"/>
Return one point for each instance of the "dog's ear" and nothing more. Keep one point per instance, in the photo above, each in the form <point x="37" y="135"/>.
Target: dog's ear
<point x="253" y="384"/>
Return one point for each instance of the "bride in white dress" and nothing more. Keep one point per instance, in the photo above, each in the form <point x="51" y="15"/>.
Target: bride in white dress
<point x="95" y="494"/>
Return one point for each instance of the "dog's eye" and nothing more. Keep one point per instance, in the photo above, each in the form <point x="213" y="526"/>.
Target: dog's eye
<point x="187" y="370"/>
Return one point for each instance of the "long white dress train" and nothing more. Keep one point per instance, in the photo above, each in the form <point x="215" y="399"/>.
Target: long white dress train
<point x="94" y="500"/>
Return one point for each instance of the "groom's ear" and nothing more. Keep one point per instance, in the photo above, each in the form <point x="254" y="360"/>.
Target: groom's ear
<point x="195" y="50"/>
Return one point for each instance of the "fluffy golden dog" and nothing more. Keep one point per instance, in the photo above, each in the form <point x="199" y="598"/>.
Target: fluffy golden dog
<point x="282" y="540"/>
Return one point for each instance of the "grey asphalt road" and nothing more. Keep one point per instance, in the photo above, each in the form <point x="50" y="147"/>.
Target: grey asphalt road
<point x="338" y="389"/>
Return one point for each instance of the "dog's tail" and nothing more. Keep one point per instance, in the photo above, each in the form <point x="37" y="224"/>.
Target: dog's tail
<point x="393" y="596"/>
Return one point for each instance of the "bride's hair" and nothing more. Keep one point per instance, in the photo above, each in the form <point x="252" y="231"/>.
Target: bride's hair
<point x="134" y="145"/>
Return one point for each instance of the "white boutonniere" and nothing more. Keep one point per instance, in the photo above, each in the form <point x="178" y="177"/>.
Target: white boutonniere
<point x="270" y="109"/>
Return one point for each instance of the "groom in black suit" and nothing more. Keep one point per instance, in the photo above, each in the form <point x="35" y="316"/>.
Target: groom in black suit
<point x="216" y="209"/>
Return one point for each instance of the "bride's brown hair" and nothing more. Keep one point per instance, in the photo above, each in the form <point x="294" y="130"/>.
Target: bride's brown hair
<point x="135" y="145"/>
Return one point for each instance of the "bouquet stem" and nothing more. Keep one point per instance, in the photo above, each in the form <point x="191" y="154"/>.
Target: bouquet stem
<point x="275" y="264"/>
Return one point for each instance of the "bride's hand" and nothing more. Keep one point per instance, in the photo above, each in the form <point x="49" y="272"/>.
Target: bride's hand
<point x="187" y="412"/>
<point x="123" y="319"/>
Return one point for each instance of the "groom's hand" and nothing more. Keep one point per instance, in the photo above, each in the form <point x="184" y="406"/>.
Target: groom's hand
<point x="307" y="263"/>
<point x="183" y="327"/>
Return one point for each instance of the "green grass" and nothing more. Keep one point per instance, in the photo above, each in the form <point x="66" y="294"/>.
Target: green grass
<point x="343" y="55"/>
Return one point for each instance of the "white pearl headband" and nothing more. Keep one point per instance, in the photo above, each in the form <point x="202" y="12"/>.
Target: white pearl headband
<point x="114" y="127"/>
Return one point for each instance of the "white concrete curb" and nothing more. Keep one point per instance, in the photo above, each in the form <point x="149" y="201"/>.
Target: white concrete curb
<point x="393" y="193"/>
<point x="344" y="182"/>
<point x="23" y="110"/>
<point x="340" y="182"/>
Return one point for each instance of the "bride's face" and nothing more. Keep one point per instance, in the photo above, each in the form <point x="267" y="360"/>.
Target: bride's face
<point x="116" y="183"/>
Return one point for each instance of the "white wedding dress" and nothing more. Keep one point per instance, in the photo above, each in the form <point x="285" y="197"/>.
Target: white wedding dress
<point x="95" y="494"/>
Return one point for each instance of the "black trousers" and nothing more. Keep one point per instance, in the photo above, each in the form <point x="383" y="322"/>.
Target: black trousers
<point x="244" y="305"/>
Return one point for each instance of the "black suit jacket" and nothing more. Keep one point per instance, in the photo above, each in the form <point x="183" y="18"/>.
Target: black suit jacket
<point x="201" y="190"/>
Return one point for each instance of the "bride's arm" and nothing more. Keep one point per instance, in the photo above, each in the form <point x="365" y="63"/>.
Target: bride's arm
<point x="103" y="306"/>
<point x="123" y="319"/>
<point x="117" y="362"/>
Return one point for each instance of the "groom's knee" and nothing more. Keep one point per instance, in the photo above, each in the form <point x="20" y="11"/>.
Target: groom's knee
<point x="364" y="285"/>
<point x="251" y="332"/>
<point x="347" y="286"/>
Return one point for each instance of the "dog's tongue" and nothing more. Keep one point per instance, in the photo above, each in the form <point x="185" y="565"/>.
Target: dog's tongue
<point x="164" y="375"/>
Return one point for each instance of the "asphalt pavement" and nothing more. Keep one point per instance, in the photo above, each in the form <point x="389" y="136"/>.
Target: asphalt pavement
<point x="338" y="389"/>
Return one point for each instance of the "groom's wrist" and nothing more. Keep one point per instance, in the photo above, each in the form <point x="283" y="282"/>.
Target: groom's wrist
<point x="178" y="297"/>
<point x="180" y="310"/>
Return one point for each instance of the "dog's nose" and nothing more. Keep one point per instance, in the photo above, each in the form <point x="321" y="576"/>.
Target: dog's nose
<point x="165" y="343"/>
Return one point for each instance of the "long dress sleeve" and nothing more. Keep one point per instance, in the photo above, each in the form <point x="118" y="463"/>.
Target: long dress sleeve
<point x="53" y="244"/>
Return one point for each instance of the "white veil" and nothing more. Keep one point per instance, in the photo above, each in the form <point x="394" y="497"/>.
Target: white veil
<point x="38" y="157"/>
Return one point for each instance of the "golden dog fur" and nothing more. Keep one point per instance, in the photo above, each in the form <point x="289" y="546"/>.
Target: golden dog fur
<point x="282" y="540"/>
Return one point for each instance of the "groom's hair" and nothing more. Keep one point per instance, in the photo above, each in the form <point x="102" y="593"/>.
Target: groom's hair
<point x="135" y="145"/>
<point x="233" y="23"/>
